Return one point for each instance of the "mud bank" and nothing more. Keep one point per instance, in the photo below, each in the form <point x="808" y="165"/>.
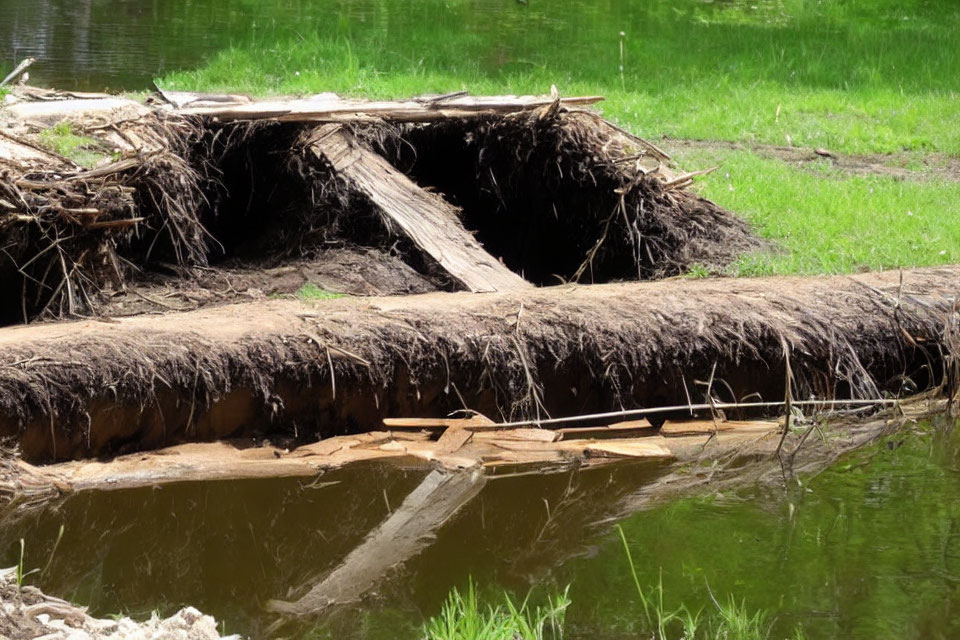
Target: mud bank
<point x="299" y="371"/>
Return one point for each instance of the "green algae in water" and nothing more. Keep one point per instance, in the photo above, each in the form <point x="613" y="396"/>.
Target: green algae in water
<point x="868" y="549"/>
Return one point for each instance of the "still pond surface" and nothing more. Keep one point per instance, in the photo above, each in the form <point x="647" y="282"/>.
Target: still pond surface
<point x="868" y="549"/>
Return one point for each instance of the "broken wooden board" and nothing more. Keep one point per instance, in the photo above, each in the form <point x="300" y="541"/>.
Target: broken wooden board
<point x="628" y="449"/>
<point x="473" y="422"/>
<point x="15" y="150"/>
<point x="615" y="430"/>
<point x="329" y="107"/>
<point x="429" y="221"/>
<point x="195" y="100"/>
<point x="53" y="111"/>
<point x="674" y="428"/>
<point x="400" y="537"/>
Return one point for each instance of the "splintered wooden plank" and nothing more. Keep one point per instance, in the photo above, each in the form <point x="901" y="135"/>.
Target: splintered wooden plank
<point x="329" y="107"/>
<point x="473" y="422"/>
<point x="696" y="427"/>
<point x="432" y="223"/>
<point x="55" y="110"/>
<point x="628" y="449"/>
<point x="615" y="430"/>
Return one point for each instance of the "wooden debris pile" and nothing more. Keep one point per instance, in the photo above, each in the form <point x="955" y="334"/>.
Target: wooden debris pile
<point x="70" y="231"/>
<point x="451" y="444"/>
<point x="500" y="193"/>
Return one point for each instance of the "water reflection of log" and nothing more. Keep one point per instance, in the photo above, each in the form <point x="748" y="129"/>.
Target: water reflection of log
<point x="406" y="532"/>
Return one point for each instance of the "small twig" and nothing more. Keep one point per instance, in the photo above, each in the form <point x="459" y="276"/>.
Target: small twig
<point x="788" y="394"/>
<point x="333" y="376"/>
<point x="16" y="73"/>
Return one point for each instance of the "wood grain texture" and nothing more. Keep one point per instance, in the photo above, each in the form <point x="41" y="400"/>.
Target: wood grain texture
<point x="429" y="221"/>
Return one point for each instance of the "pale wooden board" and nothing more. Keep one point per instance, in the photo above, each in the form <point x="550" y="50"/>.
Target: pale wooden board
<point x="617" y="429"/>
<point x="694" y="427"/>
<point x="432" y="223"/>
<point x="452" y="440"/>
<point x="329" y="107"/>
<point x="473" y="422"/>
<point x="12" y="150"/>
<point x="520" y="435"/>
<point x="54" y="110"/>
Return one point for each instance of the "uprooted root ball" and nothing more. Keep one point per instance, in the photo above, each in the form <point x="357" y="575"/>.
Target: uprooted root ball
<point x="569" y="196"/>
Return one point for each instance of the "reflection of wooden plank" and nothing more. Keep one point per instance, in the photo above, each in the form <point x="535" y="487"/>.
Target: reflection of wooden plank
<point x="404" y="534"/>
<point x="429" y="221"/>
<point x="695" y="427"/>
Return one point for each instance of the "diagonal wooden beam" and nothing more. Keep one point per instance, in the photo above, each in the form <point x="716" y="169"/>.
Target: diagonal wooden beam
<point x="429" y="221"/>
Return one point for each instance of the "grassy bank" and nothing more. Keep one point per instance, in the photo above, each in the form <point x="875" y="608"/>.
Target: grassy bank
<point x="827" y="222"/>
<point x="853" y="77"/>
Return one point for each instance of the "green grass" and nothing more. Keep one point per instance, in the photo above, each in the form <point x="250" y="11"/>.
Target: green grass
<point x="849" y="75"/>
<point x="825" y="222"/>
<point x="727" y="620"/>
<point x="852" y="76"/>
<point x="83" y="150"/>
<point x="463" y="618"/>
<point x="311" y="292"/>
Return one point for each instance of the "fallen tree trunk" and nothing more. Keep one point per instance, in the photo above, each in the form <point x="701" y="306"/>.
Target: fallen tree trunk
<point x="307" y="371"/>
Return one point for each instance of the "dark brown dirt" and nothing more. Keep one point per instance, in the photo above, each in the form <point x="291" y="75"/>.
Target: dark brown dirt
<point x="571" y="198"/>
<point x="310" y="370"/>
<point x="349" y="271"/>
<point x="900" y="166"/>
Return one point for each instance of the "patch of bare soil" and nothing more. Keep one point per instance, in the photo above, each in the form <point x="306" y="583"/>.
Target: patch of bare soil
<point x="353" y="271"/>
<point x="904" y="165"/>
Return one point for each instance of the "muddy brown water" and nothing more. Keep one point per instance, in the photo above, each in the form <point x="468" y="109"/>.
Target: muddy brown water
<point x="228" y="547"/>
<point x="867" y="549"/>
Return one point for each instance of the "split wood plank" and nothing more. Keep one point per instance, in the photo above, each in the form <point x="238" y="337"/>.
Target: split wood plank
<point x="329" y="107"/>
<point x="615" y="430"/>
<point x="696" y="427"/>
<point x="476" y="421"/>
<point x="56" y="110"/>
<point x="524" y="435"/>
<point x="432" y="223"/>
